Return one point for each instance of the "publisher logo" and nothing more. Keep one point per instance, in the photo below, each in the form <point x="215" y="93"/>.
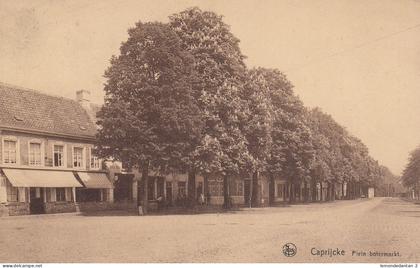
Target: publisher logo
<point x="289" y="250"/>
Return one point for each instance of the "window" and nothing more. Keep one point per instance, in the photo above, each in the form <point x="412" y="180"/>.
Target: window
<point x="182" y="190"/>
<point x="60" y="194"/>
<point x="78" y="157"/>
<point x="215" y="188"/>
<point x="88" y="195"/>
<point x="35" y="158"/>
<point x="94" y="161"/>
<point x="169" y="191"/>
<point x="9" y="152"/>
<point x="151" y="188"/>
<point x="280" y="190"/>
<point x="13" y="194"/>
<point x="239" y="188"/>
<point x="58" y="156"/>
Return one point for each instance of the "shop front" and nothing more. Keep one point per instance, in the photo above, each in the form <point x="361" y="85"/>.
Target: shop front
<point x="29" y="191"/>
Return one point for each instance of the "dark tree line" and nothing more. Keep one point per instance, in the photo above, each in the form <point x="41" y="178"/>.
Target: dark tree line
<point x="179" y="98"/>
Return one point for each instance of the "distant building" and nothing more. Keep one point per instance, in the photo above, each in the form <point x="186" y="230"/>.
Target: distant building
<point x="47" y="163"/>
<point x="371" y="192"/>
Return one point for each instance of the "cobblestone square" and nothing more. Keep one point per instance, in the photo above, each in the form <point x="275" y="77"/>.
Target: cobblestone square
<point x="249" y="235"/>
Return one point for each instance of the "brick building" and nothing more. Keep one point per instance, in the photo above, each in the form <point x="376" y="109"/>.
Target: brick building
<point x="47" y="164"/>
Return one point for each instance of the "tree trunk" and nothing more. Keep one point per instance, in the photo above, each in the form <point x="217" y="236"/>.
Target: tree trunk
<point x="271" y="190"/>
<point x="285" y="191"/>
<point x="299" y="191"/>
<point x="349" y="190"/>
<point x="291" y="192"/>
<point x="145" y="180"/>
<point x="357" y="190"/>
<point x="321" y="192"/>
<point x="206" y="189"/>
<point x="342" y="190"/>
<point x="226" y="193"/>
<point x="328" y="197"/>
<point x="333" y="191"/>
<point x="314" y="191"/>
<point x="305" y="192"/>
<point x="255" y="198"/>
<point x="354" y="191"/>
<point x="191" y="189"/>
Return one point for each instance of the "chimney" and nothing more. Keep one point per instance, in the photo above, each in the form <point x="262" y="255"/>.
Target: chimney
<point x="83" y="97"/>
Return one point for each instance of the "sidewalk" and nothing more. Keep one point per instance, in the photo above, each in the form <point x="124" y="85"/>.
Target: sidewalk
<point x="206" y="209"/>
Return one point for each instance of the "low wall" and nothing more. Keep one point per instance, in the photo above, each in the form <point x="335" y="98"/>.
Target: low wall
<point x="100" y="206"/>
<point x="15" y="209"/>
<point x="59" y="207"/>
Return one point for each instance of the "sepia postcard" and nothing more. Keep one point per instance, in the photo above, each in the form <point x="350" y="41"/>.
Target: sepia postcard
<point x="210" y="132"/>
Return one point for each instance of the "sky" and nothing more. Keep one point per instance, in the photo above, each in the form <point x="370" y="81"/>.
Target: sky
<point x="358" y="60"/>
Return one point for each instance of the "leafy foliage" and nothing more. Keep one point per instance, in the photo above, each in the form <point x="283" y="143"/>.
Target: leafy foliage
<point x="411" y="173"/>
<point x="219" y="66"/>
<point x="179" y="98"/>
<point x="150" y="114"/>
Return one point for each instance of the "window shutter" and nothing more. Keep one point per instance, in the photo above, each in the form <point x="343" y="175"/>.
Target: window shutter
<point x="53" y="195"/>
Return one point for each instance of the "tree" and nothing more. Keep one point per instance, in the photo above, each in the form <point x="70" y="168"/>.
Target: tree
<point x="328" y="138"/>
<point x="219" y="65"/>
<point x="387" y="184"/>
<point x="411" y="174"/>
<point x="258" y="127"/>
<point x="321" y="167"/>
<point x="291" y="151"/>
<point x="342" y="157"/>
<point x="150" y="119"/>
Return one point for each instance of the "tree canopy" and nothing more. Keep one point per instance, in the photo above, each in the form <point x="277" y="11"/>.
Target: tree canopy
<point x="150" y="115"/>
<point x="411" y="173"/>
<point x="180" y="97"/>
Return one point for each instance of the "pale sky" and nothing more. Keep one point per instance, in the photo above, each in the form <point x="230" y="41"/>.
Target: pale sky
<point x="358" y="60"/>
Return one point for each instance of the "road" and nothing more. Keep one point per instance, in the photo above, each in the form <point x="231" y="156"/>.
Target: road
<point x="252" y="235"/>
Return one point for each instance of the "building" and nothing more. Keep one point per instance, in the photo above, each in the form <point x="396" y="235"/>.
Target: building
<point x="371" y="192"/>
<point x="175" y="189"/>
<point x="47" y="163"/>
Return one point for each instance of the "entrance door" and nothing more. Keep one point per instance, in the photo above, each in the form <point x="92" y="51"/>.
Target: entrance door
<point x="123" y="187"/>
<point x="200" y="189"/>
<point x="160" y="181"/>
<point x="169" y="192"/>
<point x="247" y="192"/>
<point x="37" y="201"/>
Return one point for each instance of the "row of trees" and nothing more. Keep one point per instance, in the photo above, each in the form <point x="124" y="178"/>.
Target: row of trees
<point x="179" y="98"/>
<point x="411" y="174"/>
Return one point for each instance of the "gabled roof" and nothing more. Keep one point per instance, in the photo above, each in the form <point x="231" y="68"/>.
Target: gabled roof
<point x="30" y="110"/>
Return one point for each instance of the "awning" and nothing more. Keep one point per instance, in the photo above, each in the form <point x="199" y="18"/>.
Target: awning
<point x="40" y="178"/>
<point x="95" y="180"/>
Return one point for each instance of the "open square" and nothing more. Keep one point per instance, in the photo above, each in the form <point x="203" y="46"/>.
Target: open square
<point x="250" y="235"/>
